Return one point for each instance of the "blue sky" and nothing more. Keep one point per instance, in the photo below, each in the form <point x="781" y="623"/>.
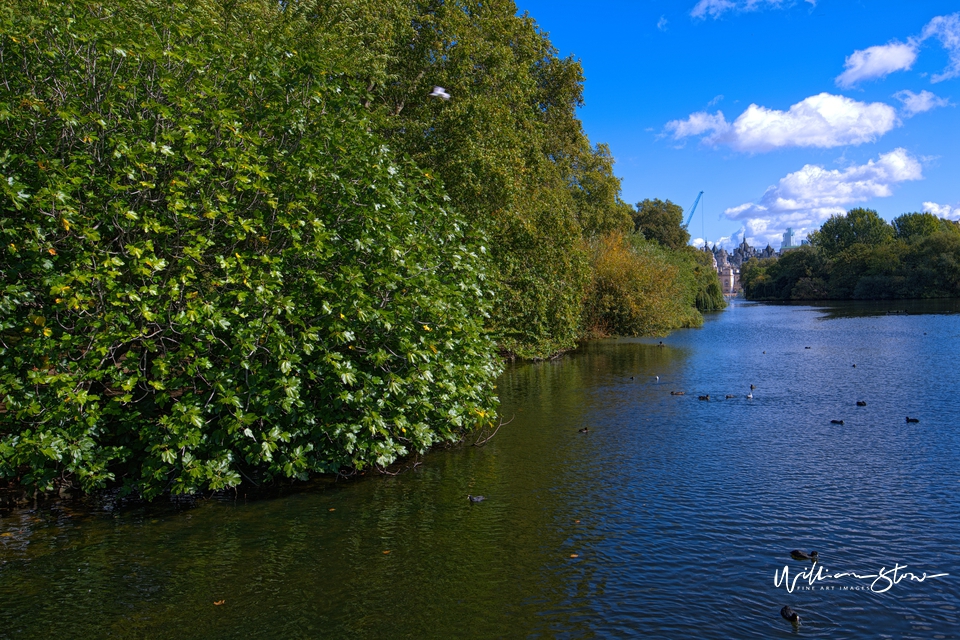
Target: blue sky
<point x="782" y="112"/>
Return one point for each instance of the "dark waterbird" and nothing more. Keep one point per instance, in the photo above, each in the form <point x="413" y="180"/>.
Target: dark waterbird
<point x="909" y="419"/>
<point x="730" y="396"/>
<point x="861" y="403"/>
<point x="796" y="554"/>
<point x="790" y="615"/>
<point x="706" y="397"/>
<point x="836" y="422"/>
<point x="677" y="393"/>
<point x="476" y="498"/>
<point x="584" y="430"/>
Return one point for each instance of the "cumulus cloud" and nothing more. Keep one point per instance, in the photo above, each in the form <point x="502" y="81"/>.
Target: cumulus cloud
<point x="662" y="23"/>
<point x="882" y="60"/>
<point x="716" y="8"/>
<point x="946" y="29"/>
<point x="823" y="121"/>
<point x="804" y="199"/>
<point x="942" y="210"/>
<point x="877" y="62"/>
<point x="914" y="103"/>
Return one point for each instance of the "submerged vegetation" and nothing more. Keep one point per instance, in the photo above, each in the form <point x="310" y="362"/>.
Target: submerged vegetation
<point x="860" y="256"/>
<point x="241" y="243"/>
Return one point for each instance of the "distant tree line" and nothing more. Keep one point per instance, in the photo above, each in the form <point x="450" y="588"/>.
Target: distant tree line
<point x="241" y="242"/>
<point x="860" y="256"/>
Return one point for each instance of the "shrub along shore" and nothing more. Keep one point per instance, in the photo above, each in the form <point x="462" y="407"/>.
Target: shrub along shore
<point x="242" y="243"/>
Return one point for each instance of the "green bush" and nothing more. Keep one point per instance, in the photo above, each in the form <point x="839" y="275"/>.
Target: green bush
<point x="637" y="289"/>
<point x="211" y="268"/>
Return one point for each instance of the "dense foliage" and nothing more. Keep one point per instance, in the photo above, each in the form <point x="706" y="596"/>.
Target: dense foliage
<point x="639" y="287"/>
<point x="661" y="221"/>
<point x="241" y="241"/>
<point x="210" y="265"/>
<point x="861" y="256"/>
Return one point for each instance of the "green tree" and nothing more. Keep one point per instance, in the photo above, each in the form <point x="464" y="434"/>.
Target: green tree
<point x="661" y="222"/>
<point x="508" y="148"/>
<point x="858" y="226"/>
<point x="596" y="194"/>
<point x="916" y="225"/>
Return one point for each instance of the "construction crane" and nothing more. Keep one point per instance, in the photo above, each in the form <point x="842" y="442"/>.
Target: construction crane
<point x="693" y="208"/>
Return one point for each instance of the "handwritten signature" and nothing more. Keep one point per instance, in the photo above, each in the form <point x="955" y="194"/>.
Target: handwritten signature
<point x="882" y="581"/>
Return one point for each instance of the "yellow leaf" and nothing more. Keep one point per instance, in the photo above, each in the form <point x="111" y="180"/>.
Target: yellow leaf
<point x="52" y="252"/>
<point x="218" y="602"/>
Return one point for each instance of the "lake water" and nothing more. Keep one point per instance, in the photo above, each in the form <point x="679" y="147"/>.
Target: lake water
<point x="670" y="518"/>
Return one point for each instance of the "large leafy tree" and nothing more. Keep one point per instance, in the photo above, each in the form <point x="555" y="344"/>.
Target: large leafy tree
<point x="857" y="226"/>
<point x="914" y="226"/>
<point x="661" y="222"/>
<point x="212" y="267"/>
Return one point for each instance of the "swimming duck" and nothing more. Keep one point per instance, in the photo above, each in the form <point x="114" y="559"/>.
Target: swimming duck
<point x="790" y="615"/>
<point x="752" y="387"/>
<point x="476" y="498"/>
<point x="706" y="397"/>
<point x="796" y="554"/>
<point x="909" y="419"/>
<point x="676" y="393"/>
<point x="730" y="396"/>
<point x="750" y="395"/>
<point x="836" y="422"/>
<point x="861" y="403"/>
<point x="584" y="430"/>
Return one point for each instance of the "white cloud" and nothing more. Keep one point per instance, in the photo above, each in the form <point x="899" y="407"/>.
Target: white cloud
<point x="823" y="121"/>
<point x="698" y="123"/>
<point x="716" y="8"/>
<point x="804" y="199"/>
<point x="877" y="62"/>
<point x="882" y="60"/>
<point x="946" y="29"/>
<point x="914" y="103"/>
<point x="942" y="210"/>
<point x="662" y="23"/>
<point x="715" y="100"/>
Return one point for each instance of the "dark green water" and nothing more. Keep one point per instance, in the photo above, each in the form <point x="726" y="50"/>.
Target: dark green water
<point x="679" y="511"/>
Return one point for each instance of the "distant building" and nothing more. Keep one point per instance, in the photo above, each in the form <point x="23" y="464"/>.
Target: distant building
<point x="788" y="240"/>
<point x="729" y="279"/>
<point x="728" y="264"/>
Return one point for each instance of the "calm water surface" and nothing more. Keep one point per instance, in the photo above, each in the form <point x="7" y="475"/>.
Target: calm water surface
<point x="678" y="511"/>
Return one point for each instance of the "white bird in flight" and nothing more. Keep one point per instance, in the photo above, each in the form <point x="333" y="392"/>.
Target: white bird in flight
<point x="439" y="92"/>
